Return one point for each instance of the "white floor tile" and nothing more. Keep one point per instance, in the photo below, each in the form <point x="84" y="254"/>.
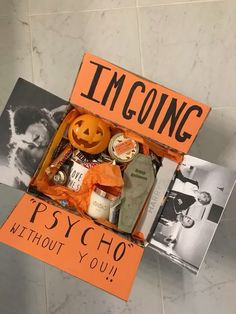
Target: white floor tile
<point x="216" y="140"/>
<point x="168" y="2"/>
<point x="59" y="42"/>
<point x="230" y="211"/>
<point x="8" y="199"/>
<point x="22" y="283"/>
<point x="68" y="295"/>
<point x="52" y="6"/>
<point x="213" y="290"/>
<point x="13" y="7"/>
<point x="191" y="48"/>
<point x="15" y="54"/>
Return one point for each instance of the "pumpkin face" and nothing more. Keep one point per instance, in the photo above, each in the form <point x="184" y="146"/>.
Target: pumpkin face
<point x="89" y="134"/>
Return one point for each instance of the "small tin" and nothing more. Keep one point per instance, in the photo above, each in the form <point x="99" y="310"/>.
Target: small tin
<point x="60" y="177"/>
<point x="122" y="149"/>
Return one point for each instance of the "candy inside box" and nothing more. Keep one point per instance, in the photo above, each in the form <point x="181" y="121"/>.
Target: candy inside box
<point x="114" y="178"/>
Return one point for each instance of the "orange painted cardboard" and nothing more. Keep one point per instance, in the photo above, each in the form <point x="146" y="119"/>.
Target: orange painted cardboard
<point x="73" y="244"/>
<point x="140" y="105"/>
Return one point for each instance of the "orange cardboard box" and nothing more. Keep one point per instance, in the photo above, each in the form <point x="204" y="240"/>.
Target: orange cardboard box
<point x="75" y="244"/>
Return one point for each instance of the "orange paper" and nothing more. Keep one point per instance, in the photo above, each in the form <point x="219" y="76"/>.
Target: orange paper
<point x="147" y="108"/>
<point x="106" y="174"/>
<point x="73" y="244"/>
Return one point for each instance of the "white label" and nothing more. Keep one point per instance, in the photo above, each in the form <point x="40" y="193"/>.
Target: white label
<point x="76" y="177"/>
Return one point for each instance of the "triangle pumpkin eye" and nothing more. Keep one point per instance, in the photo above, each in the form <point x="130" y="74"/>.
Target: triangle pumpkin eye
<point x="99" y="131"/>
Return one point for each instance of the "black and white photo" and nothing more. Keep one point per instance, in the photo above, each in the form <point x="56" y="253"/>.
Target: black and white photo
<point x="194" y="204"/>
<point x="27" y="126"/>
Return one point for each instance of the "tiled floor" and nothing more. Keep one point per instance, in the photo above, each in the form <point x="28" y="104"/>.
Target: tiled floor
<point x="189" y="46"/>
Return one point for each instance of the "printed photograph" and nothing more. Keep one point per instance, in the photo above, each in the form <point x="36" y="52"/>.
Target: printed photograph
<point x="192" y="210"/>
<point x="27" y="125"/>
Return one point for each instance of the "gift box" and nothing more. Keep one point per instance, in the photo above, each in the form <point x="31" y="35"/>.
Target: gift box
<point x="180" y="212"/>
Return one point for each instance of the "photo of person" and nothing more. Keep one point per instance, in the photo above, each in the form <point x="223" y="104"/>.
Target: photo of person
<point x="192" y="209"/>
<point x="27" y="126"/>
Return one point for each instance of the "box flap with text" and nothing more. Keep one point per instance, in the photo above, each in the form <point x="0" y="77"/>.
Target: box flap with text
<point x="131" y="101"/>
<point x="73" y="244"/>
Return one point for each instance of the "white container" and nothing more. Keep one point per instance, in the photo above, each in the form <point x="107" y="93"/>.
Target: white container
<point x="76" y="176"/>
<point x="100" y="203"/>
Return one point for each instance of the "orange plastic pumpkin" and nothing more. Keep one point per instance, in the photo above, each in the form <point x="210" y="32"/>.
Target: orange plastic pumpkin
<point x="89" y="133"/>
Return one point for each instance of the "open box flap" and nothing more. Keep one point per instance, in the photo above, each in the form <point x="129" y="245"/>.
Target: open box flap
<point x="135" y="103"/>
<point x="27" y="125"/>
<point x="73" y="244"/>
<point x="186" y="243"/>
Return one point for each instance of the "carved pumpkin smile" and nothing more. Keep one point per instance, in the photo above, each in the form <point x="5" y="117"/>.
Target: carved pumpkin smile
<point x="84" y="143"/>
<point x="89" y="134"/>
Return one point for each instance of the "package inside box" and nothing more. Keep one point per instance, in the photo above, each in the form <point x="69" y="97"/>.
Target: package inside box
<point x="113" y="184"/>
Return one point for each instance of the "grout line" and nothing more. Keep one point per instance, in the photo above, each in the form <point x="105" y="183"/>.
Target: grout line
<point x="160" y="281"/>
<point x="222" y="107"/>
<point x="178" y="3"/>
<point x="31" y="49"/>
<point x="140" y="40"/>
<point x="114" y="9"/>
<point x="227" y="219"/>
<point x="82" y="11"/>
<point x="46" y="290"/>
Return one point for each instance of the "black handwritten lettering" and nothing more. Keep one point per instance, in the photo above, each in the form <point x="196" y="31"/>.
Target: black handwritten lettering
<point x="178" y="136"/>
<point x="31" y="232"/>
<point x="82" y="256"/>
<point x="22" y="231"/>
<point x="103" y="268"/>
<point x="142" y="117"/>
<point x="93" y="263"/>
<point x="60" y="246"/>
<point x="173" y="115"/>
<point x="127" y="112"/>
<point x="94" y="82"/>
<point x="45" y="242"/>
<point x="40" y="207"/>
<point x="84" y="235"/>
<point x="121" y="246"/>
<point x="14" y="228"/>
<point x="117" y="84"/>
<point x="37" y="237"/>
<point x="105" y="242"/>
<point x="55" y="220"/>
<point x="157" y="111"/>
<point x="52" y="245"/>
<point x="70" y="226"/>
